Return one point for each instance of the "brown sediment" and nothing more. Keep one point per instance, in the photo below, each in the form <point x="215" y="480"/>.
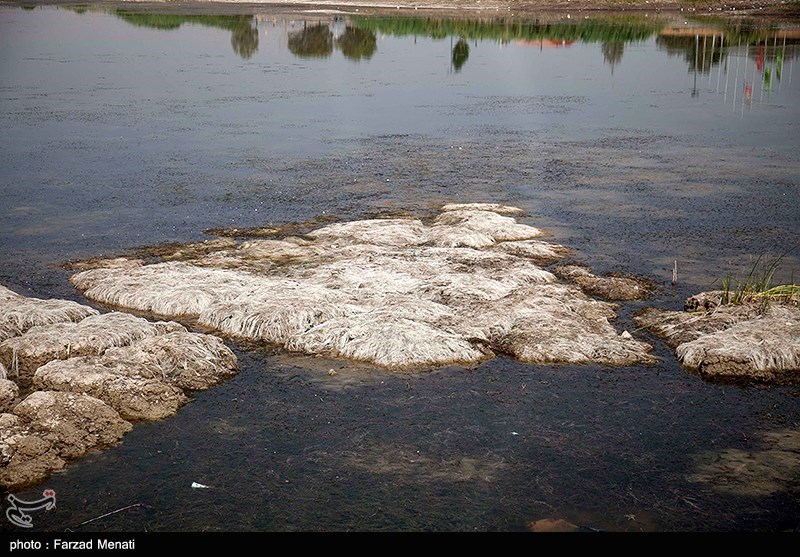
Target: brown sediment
<point x="23" y="355"/>
<point x="8" y="394"/>
<point x="395" y="292"/>
<point x="47" y="429"/>
<point x="406" y="465"/>
<point x="610" y="287"/>
<point x="146" y="380"/>
<point x="553" y="525"/>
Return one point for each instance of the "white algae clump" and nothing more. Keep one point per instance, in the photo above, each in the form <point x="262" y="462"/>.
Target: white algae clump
<point x="396" y="292"/>
<point x="747" y="341"/>
<point x="493" y="207"/>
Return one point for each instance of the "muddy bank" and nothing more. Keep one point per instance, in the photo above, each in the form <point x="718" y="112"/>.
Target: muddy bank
<point x="397" y="292"/>
<point x="83" y="381"/>
<point x="49" y="428"/>
<point x="757" y="339"/>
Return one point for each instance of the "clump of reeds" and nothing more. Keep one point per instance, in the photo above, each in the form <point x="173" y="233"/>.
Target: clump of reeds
<point x="758" y="285"/>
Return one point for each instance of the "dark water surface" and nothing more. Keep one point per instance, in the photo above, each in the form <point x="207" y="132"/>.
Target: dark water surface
<point x="634" y="141"/>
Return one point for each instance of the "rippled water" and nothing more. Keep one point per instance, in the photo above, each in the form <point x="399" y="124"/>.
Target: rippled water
<point x="636" y="142"/>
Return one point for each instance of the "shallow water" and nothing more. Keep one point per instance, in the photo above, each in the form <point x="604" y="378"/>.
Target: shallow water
<point x="636" y="144"/>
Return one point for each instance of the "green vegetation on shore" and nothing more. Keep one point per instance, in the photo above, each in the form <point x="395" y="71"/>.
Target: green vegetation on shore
<point x="758" y="284"/>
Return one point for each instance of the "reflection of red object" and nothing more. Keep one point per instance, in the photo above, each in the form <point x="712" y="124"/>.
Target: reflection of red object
<point x="748" y="92"/>
<point x="546" y="43"/>
<point x="760" y="58"/>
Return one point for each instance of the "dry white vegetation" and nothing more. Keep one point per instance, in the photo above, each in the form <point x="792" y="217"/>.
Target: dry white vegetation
<point x="394" y="292"/>
<point x="735" y="341"/>
<point x="92" y="375"/>
<point x="18" y="313"/>
<point x="94" y="335"/>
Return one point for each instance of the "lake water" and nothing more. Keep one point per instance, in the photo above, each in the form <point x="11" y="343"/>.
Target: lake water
<point x="635" y="141"/>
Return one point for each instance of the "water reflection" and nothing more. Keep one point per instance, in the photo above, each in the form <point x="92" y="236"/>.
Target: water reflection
<point x="701" y="47"/>
<point x="738" y="63"/>
<point x="612" y="53"/>
<point x="460" y="54"/>
<point x="313" y="41"/>
<point x="244" y="34"/>
<point x="705" y="45"/>
<point x="357" y="44"/>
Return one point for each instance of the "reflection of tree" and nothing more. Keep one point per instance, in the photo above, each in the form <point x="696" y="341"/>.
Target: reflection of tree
<point x="312" y="42"/>
<point x="244" y="36"/>
<point x="612" y="53"/>
<point x="244" y="41"/>
<point x="357" y="43"/>
<point x="460" y="54"/>
<point x="697" y="51"/>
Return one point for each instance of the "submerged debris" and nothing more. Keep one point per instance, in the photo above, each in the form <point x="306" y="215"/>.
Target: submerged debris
<point x="408" y="466"/>
<point x="553" y="525"/>
<point x="394" y="292"/>
<point x="731" y="341"/>
<point x="772" y="468"/>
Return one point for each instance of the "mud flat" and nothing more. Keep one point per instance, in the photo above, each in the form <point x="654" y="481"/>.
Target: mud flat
<point x="84" y="376"/>
<point x="398" y="292"/>
<point x="757" y="339"/>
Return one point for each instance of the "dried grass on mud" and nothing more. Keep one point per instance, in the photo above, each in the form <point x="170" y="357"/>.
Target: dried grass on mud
<point x="398" y="293"/>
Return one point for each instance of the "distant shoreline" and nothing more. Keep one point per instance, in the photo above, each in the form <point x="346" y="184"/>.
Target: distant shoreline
<point x="445" y="8"/>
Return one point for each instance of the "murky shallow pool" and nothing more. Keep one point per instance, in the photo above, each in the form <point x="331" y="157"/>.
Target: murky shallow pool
<point x="636" y="142"/>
